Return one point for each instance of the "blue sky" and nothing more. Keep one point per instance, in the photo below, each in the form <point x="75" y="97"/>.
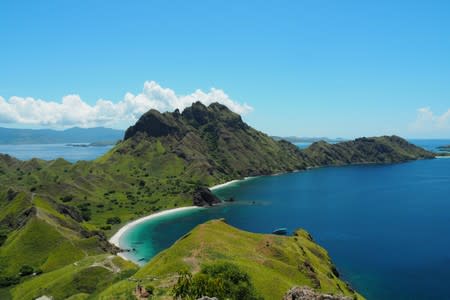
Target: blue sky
<point x="306" y="68"/>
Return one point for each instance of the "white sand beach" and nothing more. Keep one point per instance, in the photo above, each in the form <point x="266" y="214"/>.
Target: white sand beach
<point x="115" y="239"/>
<point x="222" y="185"/>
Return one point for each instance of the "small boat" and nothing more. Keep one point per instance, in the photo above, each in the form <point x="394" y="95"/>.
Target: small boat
<point x="280" y="231"/>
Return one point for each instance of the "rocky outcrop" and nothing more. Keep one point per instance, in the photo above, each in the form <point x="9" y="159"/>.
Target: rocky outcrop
<point x="306" y="293"/>
<point x="204" y="197"/>
<point x="155" y="124"/>
<point x="70" y="211"/>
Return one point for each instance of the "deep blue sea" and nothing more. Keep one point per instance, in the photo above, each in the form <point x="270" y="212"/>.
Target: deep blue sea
<point x="54" y="151"/>
<point x="387" y="227"/>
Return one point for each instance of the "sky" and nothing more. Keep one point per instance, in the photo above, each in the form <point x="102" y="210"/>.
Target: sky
<point x="304" y="68"/>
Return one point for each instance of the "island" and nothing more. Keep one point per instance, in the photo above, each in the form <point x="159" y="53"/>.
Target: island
<point x="56" y="217"/>
<point x="445" y="148"/>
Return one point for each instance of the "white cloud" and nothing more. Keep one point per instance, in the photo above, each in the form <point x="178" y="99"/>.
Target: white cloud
<point x="73" y="111"/>
<point x="427" y="122"/>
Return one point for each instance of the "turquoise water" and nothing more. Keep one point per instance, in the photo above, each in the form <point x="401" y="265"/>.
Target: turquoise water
<point x="54" y="151"/>
<point x="387" y="227"/>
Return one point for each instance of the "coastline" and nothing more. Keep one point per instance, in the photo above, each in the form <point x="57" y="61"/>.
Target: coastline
<point x="228" y="183"/>
<point x="115" y="239"/>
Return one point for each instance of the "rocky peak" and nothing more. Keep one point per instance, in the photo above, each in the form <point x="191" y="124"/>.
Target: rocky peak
<point x="156" y="124"/>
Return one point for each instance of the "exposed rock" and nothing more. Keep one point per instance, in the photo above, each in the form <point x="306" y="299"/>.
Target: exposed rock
<point x="207" y="298"/>
<point x="306" y="293"/>
<point x="204" y="197"/>
<point x="70" y="211"/>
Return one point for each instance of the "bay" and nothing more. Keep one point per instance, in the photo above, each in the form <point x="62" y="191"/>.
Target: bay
<point x="387" y="227"/>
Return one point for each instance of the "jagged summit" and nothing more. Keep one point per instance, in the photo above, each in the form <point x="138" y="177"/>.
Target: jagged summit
<point x="156" y="124"/>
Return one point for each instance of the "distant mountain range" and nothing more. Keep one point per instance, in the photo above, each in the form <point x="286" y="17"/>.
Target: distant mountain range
<point x="48" y="136"/>
<point x="296" y="139"/>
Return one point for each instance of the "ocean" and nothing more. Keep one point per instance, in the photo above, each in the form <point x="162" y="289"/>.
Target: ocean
<point x="54" y="151"/>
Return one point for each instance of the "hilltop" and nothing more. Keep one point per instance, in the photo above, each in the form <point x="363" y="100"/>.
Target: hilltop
<point x="55" y="213"/>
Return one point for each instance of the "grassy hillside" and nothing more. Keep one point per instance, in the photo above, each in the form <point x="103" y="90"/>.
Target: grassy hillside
<point x="385" y="149"/>
<point x="84" y="279"/>
<point x="274" y="263"/>
<point x="54" y="213"/>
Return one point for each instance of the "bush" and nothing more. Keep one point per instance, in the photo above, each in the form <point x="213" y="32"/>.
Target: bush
<point x="6" y="281"/>
<point x="150" y="289"/>
<point x="221" y="280"/>
<point x="105" y="227"/>
<point x="26" y="270"/>
<point x="67" y="198"/>
<point x="113" y="220"/>
<point x="3" y="238"/>
<point x="86" y="215"/>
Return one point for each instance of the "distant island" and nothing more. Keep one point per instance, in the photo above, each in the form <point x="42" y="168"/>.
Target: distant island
<point x="14" y="136"/>
<point x="444" y="148"/>
<point x="296" y="139"/>
<point x="94" y="144"/>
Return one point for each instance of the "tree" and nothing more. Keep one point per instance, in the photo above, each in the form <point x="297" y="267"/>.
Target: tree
<point x="221" y="280"/>
<point x="113" y="220"/>
<point x="26" y="270"/>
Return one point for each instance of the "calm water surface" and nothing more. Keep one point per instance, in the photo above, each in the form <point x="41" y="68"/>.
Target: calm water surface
<point x="54" y="151"/>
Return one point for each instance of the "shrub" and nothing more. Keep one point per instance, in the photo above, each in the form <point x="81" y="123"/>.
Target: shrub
<point x="67" y="198"/>
<point x="221" y="280"/>
<point x="113" y="220"/>
<point x="26" y="270"/>
<point x="3" y="238"/>
<point x="6" y="281"/>
<point x="150" y="289"/>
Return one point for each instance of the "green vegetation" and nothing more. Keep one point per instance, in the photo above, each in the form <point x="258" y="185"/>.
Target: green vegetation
<point x="86" y="277"/>
<point x="382" y="150"/>
<point x="221" y="280"/>
<point x="268" y="263"/>
<point x="54" y="214"/>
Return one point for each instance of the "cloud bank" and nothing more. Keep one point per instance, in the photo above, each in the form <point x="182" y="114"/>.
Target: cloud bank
<point x="73" y="111"/>
<point x="427" y="122"/>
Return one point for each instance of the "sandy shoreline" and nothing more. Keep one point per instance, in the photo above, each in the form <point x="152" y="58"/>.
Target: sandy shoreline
<point x="222" y="185"/>
<point x="115" y="239"/>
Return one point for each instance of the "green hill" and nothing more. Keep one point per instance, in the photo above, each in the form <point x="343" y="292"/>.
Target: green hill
<point x="54" y="213"/>
<point x="274" y="263"/>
